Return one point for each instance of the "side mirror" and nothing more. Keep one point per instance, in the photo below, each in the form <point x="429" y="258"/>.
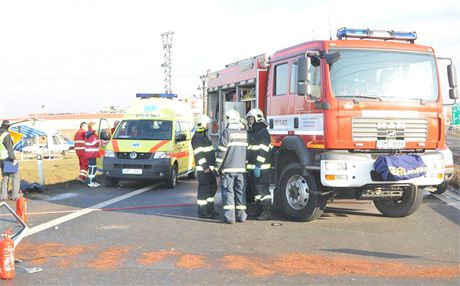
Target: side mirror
<point x="104" y="135"/>
<point x="181" y="137"/>
<point x="332" y="57"/>
<point x="304" y="84"/>
<point x="453" y="93"/>
<point x="452" y="75"/>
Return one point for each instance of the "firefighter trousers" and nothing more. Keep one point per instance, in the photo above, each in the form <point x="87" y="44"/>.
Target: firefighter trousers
<point x="261" y="187"/>
<point x="233" y="197"/>
<point x="207" y="188"/>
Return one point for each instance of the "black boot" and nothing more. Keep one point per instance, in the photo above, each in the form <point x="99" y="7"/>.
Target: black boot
<point x="266" y="213"/>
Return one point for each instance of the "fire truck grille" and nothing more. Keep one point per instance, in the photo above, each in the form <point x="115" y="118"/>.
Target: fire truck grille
<point x="373" y="129"/>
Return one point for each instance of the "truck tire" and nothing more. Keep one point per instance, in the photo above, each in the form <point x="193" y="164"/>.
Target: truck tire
<point x="407" y="205"/>
<point x="171" y="182"/>
<point x="296" y="200"/>
<point x="110" y="182"/>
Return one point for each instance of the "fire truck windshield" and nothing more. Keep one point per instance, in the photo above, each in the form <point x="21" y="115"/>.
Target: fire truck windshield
<point x="384" y="75"/>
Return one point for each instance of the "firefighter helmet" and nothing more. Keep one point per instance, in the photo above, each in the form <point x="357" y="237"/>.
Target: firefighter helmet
<point x="232" y="116"/>
<point x="201" y="121"/>
<point x="257" y="114"/>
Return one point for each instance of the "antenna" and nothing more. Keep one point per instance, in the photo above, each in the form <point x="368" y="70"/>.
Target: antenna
<point x="167" y="46"/>
<point x="329" y="25"/>
<point x="313" y="34"/>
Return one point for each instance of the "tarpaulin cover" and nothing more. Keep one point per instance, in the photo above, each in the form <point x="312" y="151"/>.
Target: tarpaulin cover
<point x="400" y="167"/>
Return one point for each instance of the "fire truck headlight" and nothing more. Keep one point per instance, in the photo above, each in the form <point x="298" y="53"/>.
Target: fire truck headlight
<point x="109" y="154"/>
<point x="335" y="166"/>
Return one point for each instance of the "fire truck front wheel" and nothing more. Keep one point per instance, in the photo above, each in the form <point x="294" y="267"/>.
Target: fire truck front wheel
<point x="297" y="194"/>
<point x="405" y="206"/>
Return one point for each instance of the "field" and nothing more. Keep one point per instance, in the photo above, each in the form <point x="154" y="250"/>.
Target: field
<point x="65" y="170"/>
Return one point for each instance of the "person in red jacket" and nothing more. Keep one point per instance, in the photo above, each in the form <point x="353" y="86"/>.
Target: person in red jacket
<point x="79" y="140"/>
<point x="92" y="144"/>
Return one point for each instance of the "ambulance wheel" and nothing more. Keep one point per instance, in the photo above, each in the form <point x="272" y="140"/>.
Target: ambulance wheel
<point x="296" y="200"/>
<point x="405" y="206"/>
<point x="172" y="181"/>
<point x="110" y="182"/>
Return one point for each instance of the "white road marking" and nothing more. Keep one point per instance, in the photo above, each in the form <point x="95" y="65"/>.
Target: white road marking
<point x="88" y="210"/>
<point x="450" y="198"/>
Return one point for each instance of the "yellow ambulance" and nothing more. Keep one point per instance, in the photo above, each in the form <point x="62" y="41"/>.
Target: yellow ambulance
<point x="152" y="142"/>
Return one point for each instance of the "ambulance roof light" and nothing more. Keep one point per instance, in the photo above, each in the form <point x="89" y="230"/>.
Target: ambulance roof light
<point x="376" y="34"/>
<point x="157" y="95"/>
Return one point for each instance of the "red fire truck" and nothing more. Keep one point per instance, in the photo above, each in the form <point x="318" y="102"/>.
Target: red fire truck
<point x="333" y="107"/>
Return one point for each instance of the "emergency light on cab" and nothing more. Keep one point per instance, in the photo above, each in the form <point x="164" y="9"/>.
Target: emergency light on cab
<point x="376" y="34"/>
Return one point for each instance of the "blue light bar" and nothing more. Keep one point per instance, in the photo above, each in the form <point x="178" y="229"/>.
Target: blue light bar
<point x="158" y="95"/>
<point x="376" y="34"/>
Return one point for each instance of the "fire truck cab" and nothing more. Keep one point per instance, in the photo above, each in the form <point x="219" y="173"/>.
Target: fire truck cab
<point x="333" y="107"/>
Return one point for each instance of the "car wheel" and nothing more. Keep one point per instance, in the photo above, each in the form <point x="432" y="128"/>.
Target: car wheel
<point x="402" y="207"/>
<point x="297" y="197"/>
<point x="172" y="181"/>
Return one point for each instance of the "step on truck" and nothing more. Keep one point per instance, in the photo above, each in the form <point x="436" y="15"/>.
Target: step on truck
<point x="333" y="108"/>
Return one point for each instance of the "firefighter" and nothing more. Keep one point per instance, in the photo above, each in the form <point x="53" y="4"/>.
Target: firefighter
<point x="79" y="140"/>
<point x="205" y="160"/>
<point x="259" y="162"/>
<point x="92" y="144"/>
<point x="231" y="161"/>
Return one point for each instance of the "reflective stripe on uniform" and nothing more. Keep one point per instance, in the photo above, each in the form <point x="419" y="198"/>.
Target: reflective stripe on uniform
<point x="222" y="148"/>
<point x="92" y="149"/>
<point x="260" y="159"/>
<point x="262" y="167"/>
<point x="267" y="197"/>
<point x="79" y="141"/>
<point x="210" y="200"/>
<point x="199" y="168"/>
<point x="253" y="147"/>
<point x="229" y="207"/>
<point x="238" y="144"/>
<point x="79" y="148"/>
<point x="202" y="202"/>
<point x="234" y="170"/>
<point x="219" y="160"/>
<point x="202" y="161"/>
<point x="240" y="207"/>
<point x="257" y="197"/>
<point x="203" y="149"/>
<point x="264" y="147"/>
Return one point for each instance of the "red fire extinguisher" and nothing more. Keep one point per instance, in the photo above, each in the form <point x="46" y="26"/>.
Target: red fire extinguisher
<point x="6" y="257"/>
<point x="21" y="207"/>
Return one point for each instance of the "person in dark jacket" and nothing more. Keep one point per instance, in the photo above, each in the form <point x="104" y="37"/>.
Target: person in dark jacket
<point x="259" y="163"/>
<point x="231" y="161"/>
<point x="7" y="154"/>
<point x="205" y="161"/>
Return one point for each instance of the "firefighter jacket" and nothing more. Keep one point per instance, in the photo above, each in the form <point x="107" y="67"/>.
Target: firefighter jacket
<point x="259" y="147"/>
<point x="204" y="152"/>
<point x="79" y="140"/>
<point x="92" y="144"/>
<point x="231" y="153"/>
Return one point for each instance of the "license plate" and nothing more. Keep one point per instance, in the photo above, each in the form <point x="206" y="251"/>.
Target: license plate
<point x="390" y="144"/>
<point x="131" y="171"/>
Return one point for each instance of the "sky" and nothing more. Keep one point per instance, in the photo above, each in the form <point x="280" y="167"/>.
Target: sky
<point x="61" y="56"/>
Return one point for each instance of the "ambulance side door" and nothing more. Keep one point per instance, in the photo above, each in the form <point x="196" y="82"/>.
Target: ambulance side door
<point x="103" y="132"/>
<point x="189" y="157"/>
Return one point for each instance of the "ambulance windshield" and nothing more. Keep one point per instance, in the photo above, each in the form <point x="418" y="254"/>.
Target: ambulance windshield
<point x="384" y="75"/>
<point x="144" y="130"/>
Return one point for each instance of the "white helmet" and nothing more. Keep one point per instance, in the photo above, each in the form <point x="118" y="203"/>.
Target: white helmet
<point x="201" y="121"/>
<point x="257" y="114"/>
<point x="232" y="116"/>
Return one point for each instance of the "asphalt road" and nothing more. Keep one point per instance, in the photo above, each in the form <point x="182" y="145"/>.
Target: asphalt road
<point x="155" y="237"/>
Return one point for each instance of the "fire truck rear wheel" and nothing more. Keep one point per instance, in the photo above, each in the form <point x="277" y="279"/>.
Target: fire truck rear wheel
<point x="405" y="206"/>
<point x="296" y="200"/>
